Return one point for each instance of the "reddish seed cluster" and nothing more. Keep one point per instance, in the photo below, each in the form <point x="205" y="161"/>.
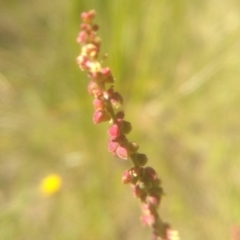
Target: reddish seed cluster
<point x="144" y="180"/>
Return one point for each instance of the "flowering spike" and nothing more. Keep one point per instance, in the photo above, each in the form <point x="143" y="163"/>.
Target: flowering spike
<point x="145" y="183"/>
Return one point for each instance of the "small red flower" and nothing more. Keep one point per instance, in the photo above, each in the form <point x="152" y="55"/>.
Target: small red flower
<point x="87" y="17"/>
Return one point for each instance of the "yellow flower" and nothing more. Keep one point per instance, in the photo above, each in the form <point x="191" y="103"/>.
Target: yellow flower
<point x="50" y="184"/>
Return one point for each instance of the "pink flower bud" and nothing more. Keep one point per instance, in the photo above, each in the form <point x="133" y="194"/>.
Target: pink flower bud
<point x="84" y="26"/>
<point x="87" y="28"/>
<point x="94" y="89"/>
<point x="96" y="40"/>
<point x="98" y="104"/>
<point x="107" y="74"/>
<point x="138" y="191"/>
<point x="112" y="146"/>
<point x="100" y="116"/>
<point x="114" y="131"/>
<point x="98" y="77"/>
<point x="87" y="17"/>
<point x="91" y="14"/>
<point x="122" y="152"/>
<point x="83" y="62"/>
<point x="121" y="139"/>
<point x="84" y="16"/>
<point x="90" y="50"/>
<point x="148" y="216"/>
<point x="127" y="177"/>
<point x="82" y="37"/>
<point x="148" y="219"/>
<point x="146" y="208"/>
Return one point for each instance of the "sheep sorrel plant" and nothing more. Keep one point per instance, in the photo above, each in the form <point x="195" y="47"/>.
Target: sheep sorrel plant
<point x="144" y="180"/>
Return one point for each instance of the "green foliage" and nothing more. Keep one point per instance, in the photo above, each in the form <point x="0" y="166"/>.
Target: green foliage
<point x="176" y="64"/>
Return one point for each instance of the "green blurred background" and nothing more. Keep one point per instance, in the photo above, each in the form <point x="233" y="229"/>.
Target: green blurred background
<point x="176" y="64"/>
